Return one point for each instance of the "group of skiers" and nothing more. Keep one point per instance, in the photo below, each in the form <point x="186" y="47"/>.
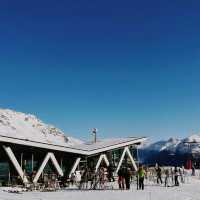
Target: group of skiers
<point x="177" y="175"/>
<point x="89" y="178"/>
<point x="172" y="176"/>
<point x="124" y="175"/>
<point x="166" y="176"/>
<point x="169" y="176"/>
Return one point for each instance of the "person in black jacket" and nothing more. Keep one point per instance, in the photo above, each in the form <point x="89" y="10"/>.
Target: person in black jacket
<point x="176" y="176"/>
<point x="159" y="174"/>
<point x="127" y="175"/>
<point x="121" y="179"/>
<point x="110" y="173"/>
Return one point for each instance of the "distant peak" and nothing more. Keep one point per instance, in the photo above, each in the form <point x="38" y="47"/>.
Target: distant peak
<point x="29" y="127"/>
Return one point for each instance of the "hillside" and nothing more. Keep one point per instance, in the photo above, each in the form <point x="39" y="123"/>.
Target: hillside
<point x="29" y="127"/>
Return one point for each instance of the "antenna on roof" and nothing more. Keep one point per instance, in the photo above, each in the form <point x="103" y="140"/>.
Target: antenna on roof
<point x="94" y="133"/>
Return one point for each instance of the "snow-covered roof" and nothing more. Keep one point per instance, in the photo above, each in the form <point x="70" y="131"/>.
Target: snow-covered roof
<point x="84" y="149"/>
<point x="108" y="144"/>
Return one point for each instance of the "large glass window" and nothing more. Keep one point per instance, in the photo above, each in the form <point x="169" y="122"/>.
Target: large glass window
<point x="4" y="173"/>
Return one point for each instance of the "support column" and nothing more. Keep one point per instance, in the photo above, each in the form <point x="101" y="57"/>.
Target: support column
<point x="102" y="157"/>
<point x="61" y="163"/>
<point x="49" y="156"/>
<point x="131" y="158"/>
<point x="126" y="151"/>
<point x="75" y="165"/>
<point x="15" y="163"/>
<point x="21" y="160"/>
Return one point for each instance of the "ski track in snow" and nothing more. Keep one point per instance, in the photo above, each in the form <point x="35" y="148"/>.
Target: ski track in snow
<point x="189" y="191"/>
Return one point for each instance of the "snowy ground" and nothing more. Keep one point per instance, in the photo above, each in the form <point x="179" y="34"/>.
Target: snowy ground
<point x="187" y="191"/>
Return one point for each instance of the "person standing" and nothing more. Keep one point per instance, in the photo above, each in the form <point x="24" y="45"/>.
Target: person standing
<point x="127" y="175"/>
<point x="167" y="178"/>
<point x="102" y="177"/>
<point x="141" y="175"/>
<point x="172" y="176"/>
<point x="159" y="173"/>
<point x="110" y="173"/>
<point x="120" y="179"/>
<point x="181" y="175"/>
<point x="176" y="176"/>
<point x="193" y="170"/>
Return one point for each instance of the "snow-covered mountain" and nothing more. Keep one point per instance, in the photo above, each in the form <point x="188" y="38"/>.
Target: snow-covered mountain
<point x="29" y="127"/>
<point x="169" y="145"/>
<point x="172" y="151"/>
<point x="190" y="144"/>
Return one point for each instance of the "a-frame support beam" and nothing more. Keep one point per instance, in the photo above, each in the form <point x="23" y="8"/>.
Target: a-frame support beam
<point x="75" y="165"/>
<point x="126" y="151"/>
<point x="101" y="158"/>
<point x="49" y="156"/>
<point x="15" y="163"/>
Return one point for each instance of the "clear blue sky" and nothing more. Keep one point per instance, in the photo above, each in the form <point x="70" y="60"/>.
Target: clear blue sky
<point x="125" y="67"/>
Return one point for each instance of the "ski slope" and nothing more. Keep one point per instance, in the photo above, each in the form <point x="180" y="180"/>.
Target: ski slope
<point x="187" y="191"/>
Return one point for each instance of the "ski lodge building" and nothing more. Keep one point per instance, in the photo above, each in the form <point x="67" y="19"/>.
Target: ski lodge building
<point x="20" y="157"/>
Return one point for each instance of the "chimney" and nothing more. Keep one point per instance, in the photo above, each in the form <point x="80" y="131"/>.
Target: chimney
<point x="94" y="133"/>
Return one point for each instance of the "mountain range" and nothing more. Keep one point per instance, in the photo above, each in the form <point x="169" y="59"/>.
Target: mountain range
<point x="172" y="151"/>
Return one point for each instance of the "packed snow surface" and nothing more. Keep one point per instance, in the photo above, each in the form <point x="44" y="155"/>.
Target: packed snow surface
<point x="29" y="127"/>
<point x="187" y="191"/>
